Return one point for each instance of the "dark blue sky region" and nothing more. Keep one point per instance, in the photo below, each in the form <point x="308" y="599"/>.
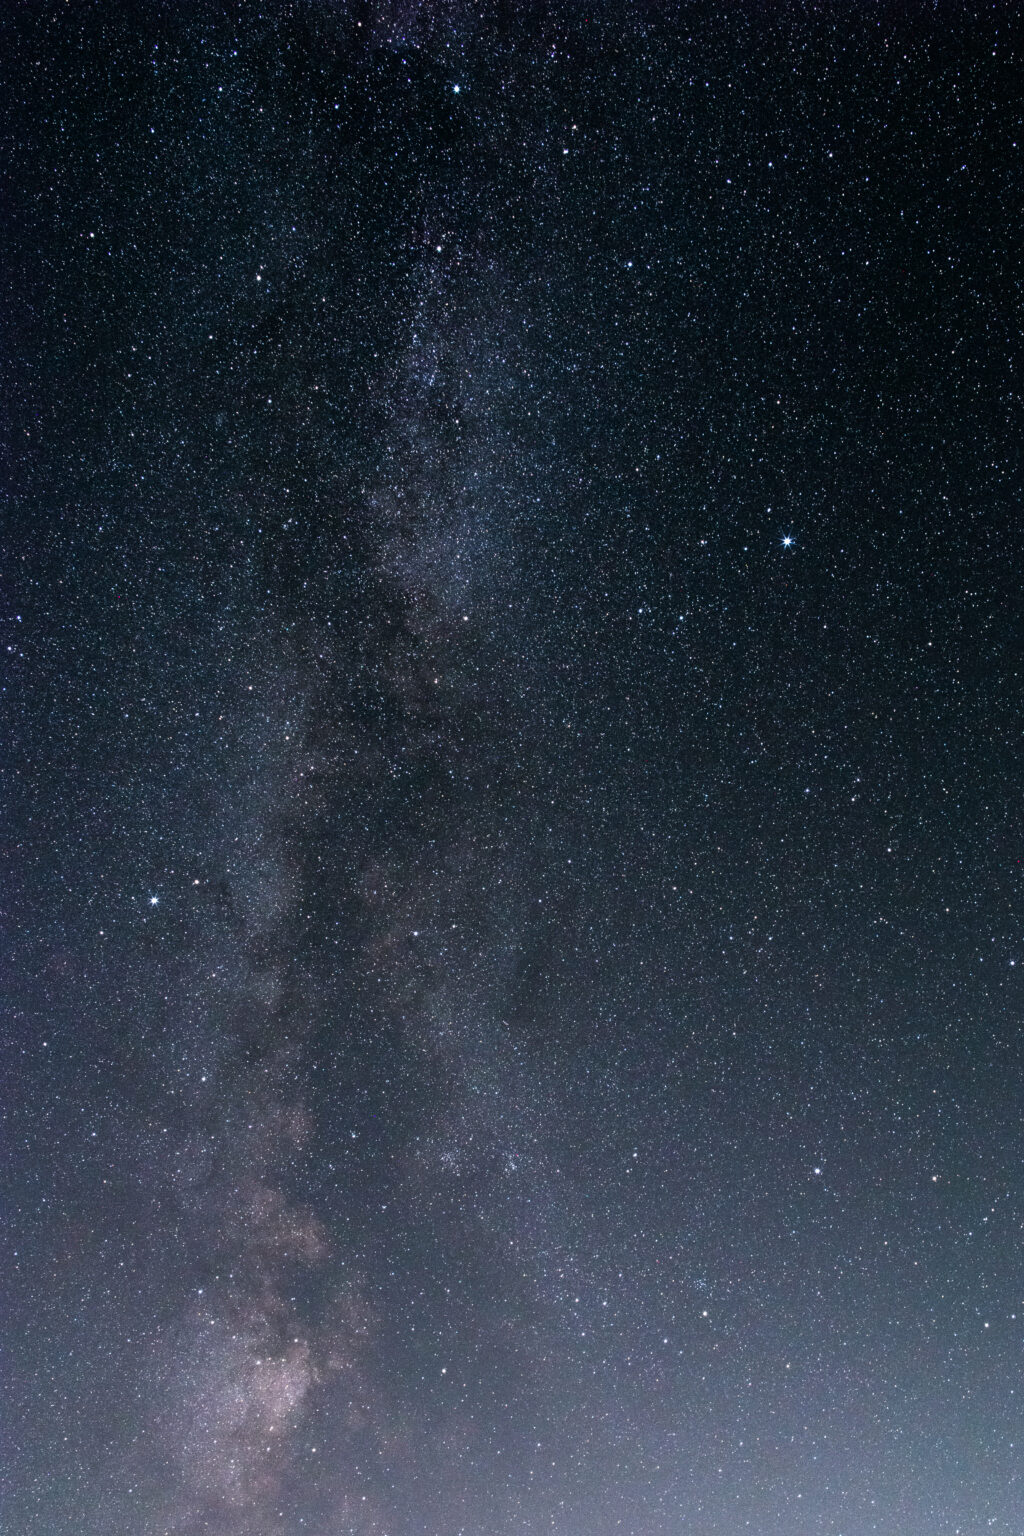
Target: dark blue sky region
<point x="511" y="869"/>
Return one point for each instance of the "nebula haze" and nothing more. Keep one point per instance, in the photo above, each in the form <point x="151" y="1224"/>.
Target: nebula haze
<point x="511" y="898"/>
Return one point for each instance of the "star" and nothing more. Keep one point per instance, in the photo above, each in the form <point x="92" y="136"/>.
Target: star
<point x="154" y="901"/>
<point x="788" y="541"/>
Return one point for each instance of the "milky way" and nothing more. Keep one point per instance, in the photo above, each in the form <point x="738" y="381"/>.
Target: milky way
<point x="511" y="902"/>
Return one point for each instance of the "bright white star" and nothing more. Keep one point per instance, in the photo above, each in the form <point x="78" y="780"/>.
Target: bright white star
<point x="787" y="541"/>
<point x="154" y="901"/>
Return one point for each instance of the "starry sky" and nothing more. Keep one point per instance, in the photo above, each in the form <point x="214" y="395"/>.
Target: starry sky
<point x="511" y="915"/>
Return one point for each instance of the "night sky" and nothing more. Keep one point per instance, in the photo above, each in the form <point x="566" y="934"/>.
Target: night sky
<point x="512" y="769"/>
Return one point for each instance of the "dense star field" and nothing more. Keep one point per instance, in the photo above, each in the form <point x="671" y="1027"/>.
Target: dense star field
<point x="512" y="769"/>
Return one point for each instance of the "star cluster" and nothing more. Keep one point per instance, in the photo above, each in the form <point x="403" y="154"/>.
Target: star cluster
<point x="512" y="698"/>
